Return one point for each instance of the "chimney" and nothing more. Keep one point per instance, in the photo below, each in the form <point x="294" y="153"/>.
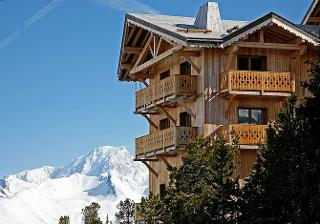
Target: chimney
<point x="209" y="18"/>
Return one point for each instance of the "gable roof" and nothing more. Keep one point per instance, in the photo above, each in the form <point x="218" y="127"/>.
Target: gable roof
<point x="201" y="31"/>
<point x="233" y="30"/>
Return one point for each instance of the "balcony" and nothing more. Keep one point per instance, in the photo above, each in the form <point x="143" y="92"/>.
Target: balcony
<point x="247" y="134"/>
<point x="164" y="141"/>
<point x="257" y="83"/>
<point x="165" y="92"/>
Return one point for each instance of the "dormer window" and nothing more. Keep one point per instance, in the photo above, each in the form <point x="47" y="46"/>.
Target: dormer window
<point x="252" y="63"/>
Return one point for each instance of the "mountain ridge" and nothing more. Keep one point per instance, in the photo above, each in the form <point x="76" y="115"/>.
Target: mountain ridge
<point x="106" y="175"/>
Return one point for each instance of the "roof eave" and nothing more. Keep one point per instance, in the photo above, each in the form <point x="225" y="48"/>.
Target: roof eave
<point x="270" y="18"/>
<point x="309" y="12"/>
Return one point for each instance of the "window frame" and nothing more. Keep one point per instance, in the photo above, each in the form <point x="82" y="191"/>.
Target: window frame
<point x="264" y="114"/>
<point x="264" y="62"/>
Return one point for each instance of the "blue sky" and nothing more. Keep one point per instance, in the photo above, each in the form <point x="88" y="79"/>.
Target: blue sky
<point x="59" y="94"/>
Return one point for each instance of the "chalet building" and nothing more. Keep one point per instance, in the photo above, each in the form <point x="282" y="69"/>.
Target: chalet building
<point x="208" y="75"/>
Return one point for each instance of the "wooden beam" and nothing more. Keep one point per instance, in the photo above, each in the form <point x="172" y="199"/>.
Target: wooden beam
<point x="167" y="114"/>
<point x="130" y="35"/>
<point x="150" y="168"/>
<point x="169" y="166"/>
<point x="188" y="110"/>
<point x="198" y="70"/>
<point x="149" y="120"/>
<point x="269" y="45"/>
<point x="146" y="159"/>
<point x="143" y="81"/>
<point x="301" y="52"/>
<point x="152" y="52"/>
<point x="314" y="19"/>
<point x="126" y="66"/>
<point x="154" y="60"/>
<point x="226" y="114"/>
<point x="132" y="50"/>
<point x="158" y="47"/>
<point x="143" y="51"/>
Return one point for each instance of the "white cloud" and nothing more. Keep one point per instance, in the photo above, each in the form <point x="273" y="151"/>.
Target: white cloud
<point x="127" y="5"/>
<point x="29" y="22"/>
<point x="42" y="12"/>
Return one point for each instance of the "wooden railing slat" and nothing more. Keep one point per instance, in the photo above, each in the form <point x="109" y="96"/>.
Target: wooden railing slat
<point x="176" y="136"/>
<point x="257" y="81"/>
<point x="175" y="84"/>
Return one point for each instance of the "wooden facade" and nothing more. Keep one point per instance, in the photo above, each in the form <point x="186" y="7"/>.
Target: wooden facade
<point x="195" y="90"/>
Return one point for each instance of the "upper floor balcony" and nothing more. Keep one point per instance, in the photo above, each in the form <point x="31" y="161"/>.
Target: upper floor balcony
<point x="247" y="134"/>
<point x="166" y="92"/>
<point x="163" y="141"/>
<point x="257" y="83"/>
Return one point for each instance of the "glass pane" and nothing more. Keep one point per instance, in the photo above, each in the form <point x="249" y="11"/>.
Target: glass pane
<point x="256" y="116"/>
<point x="256" y="64"/>
<point x="244" y="116"/>
<point x="243" y="63"/>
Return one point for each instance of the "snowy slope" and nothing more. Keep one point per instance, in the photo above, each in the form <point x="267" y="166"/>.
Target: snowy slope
<point x="107" y="175"/>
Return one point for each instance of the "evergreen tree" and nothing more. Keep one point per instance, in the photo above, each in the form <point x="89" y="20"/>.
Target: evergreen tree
<point x="285" y="184"/>
<point x="125" y="215"/>
<point x="90" y="214"/>
<point x="64" y="220"/>
<point x="201" y="190"/>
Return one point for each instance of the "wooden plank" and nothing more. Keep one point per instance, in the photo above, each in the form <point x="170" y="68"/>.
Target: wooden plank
<point x="153" y="61"/>
<point x="132" y="50"/>
<point x="261" y="36"/>
<point x="126" y="66"/>
<point x="269" y="45"/>
<point x="187" y="53"/>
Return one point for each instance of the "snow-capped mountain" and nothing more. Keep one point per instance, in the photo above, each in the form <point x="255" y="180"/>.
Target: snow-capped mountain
<point x="107" y="175"/>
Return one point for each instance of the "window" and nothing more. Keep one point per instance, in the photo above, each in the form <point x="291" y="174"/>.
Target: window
<point x="185" y="119"/>
<point x="164" y="124"/>
<point x="185" y="68"/>
<point x="254" y="63"/>
<point x="252" y="116"/>
<point x="162" y="191"/>
<point x="164" y="75"/>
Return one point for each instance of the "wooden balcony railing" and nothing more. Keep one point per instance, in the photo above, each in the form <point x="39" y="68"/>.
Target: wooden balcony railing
<point x="171" y="137"/>
<point x="262" y="81"/>
<point x="247" y="134"/>
<point x="175" y="85"/>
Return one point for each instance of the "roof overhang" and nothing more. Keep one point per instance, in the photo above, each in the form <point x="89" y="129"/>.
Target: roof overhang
<point x="265" y="21"/>
<point x="315" y="6"/>
<point x="179" y="39"/>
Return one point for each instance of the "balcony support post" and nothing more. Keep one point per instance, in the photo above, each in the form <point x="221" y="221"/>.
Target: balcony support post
<point x="195" y="67"/>
<point x="167" y="114"/>
<point x="149" y="120"/>
<point x="188" y="110"/>
<point x="149" y="168"/>
<point x="169" y="166"/>
<point x="227" y="113"/>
